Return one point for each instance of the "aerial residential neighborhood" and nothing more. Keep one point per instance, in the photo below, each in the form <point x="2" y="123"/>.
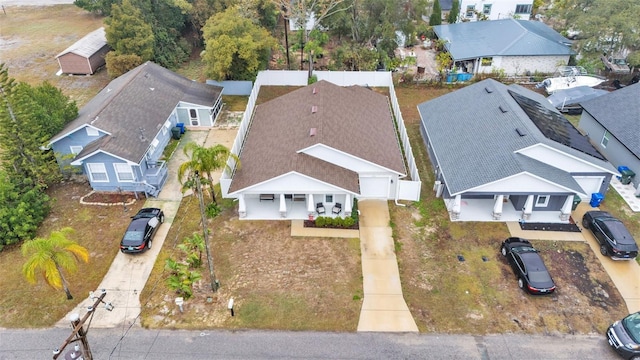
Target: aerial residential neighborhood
<point x="295" y="180"/>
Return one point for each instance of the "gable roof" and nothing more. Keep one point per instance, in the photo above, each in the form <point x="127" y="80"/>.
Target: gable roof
<point x="133" y="107"/>
<point x="478" y="143"/>
<point x="353" y="120"/>
<point x="88" y="45"/>
<point x="506" y="37"/>
<point x="619" y="113"/>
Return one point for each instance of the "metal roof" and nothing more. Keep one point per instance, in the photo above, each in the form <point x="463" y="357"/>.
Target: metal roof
<point x="507" y="37"/>
<point x="475" y="133"/>
<point x="574" y="95"/>
<point x="619" y="113"/>
<point x="88" y="45"/>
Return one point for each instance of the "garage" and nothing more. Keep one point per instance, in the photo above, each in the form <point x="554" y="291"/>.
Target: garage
<point x="590" y="184"/>
<point x="375" y="186"/>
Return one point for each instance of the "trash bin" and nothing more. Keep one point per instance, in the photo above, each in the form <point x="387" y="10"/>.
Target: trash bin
<point x="576" y="202"/>
<point x="625" y="175"/>
<point x="181" y="126"/>
<point x="176" y="133"/>
<point x="596" y="199"/>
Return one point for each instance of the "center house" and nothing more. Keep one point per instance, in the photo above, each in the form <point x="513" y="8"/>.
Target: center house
<point x="314" y="150"/>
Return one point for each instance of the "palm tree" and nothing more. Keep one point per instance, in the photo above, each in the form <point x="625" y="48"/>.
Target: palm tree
<point x="51" y="256"/>
<point x="205" y="160"/>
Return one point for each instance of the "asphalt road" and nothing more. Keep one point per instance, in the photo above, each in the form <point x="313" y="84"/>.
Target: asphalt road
<point x="190" y="345"/>
<point x="34" y="2"/>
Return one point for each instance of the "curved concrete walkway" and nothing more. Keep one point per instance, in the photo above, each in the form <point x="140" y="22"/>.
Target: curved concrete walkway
<point x="383" y="308"/>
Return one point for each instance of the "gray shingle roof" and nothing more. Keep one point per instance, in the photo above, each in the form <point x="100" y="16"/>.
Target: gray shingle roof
<point x="133" y="108"/>
<point x="88" y="45"/>
<point x="475" y="142"/>
<point x="619" y="113"/>
<point x="353" y="120"/>
<point x="507" y="37"/>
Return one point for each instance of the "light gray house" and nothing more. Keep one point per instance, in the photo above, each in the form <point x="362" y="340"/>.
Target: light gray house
<point x="118" y="137"/>
<point x="86" y="55"/>
<point x="612" y="122"/>
<point x="504" y="153"/>
<point x="316" y="147"/>
<point x="517" y="47"/>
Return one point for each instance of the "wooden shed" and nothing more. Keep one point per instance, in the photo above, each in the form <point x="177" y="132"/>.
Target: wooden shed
<point x="86" y="55"/>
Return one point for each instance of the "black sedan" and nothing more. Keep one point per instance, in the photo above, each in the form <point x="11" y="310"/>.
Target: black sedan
<point x="140" y="232"/>
<point x="614" y="238"/>
<point x="528" y="266"/>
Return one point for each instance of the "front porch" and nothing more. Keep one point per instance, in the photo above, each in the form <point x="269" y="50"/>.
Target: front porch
<point x="289" y="207"/>
<point x="483" y="210"/>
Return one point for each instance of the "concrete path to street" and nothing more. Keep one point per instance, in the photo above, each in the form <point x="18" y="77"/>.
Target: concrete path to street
<point x="383" y="308"/>
<point x="128" y="273"/>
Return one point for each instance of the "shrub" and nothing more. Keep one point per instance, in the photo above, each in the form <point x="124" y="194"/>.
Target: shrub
<point x="320" y="221"/>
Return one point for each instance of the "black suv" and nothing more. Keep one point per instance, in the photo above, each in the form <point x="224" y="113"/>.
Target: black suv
<point x="614" y="238"/>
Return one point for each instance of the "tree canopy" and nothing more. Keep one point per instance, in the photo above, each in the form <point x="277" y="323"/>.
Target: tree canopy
<point x="236" y="48"/>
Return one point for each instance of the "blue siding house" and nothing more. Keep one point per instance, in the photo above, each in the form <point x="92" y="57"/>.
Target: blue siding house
<point x="118" y="137"/>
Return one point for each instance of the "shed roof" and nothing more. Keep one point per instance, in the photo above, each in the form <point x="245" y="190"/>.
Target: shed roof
<point x="619" y="113"/>
<point x="478" y="143"/>
<point x="88" y="45"/>
<point x="353" y="120"/>
<point x="506" y="37"/>
<point x="133" y="107"/>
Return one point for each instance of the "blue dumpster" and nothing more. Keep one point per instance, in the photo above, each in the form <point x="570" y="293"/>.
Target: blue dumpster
<point x="181" y="126"/>
<point x="596" y="199"/>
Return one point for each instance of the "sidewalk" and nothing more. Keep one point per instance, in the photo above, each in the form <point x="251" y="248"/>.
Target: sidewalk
<point x="383" y="308"/>
<point x="128" y="273"/>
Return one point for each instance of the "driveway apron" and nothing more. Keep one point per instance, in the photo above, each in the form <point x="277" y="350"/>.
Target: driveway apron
<point x="624" y="274"/>
<point x="383" y="308"/>
<point x="128" y="273"/>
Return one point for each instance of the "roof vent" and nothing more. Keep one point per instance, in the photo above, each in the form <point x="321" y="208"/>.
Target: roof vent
<point x="521" y="132"/>
<point x="312" y="132"/>
<point x="503" y="109"/>
<point x="314" y="90"/>
<point x="488" y="90"/>
<point x="314" y="109"/>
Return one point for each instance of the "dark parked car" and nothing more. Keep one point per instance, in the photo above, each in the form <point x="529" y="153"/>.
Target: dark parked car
<point x="614" y="238"/>
<point x="624" y="336"/>
<point x="140" y="232"/>
<point x="528" y="266"/>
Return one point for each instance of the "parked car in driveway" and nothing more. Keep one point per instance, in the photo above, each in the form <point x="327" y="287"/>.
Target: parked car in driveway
<point x="624" y="336"/>
<point x="143" y="227"/>
<point x="528" y="266"/>
<point x="614" y="238"/>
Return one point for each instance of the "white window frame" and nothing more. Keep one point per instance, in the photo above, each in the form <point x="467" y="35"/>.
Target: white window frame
<point x="545" y="203"/>
<point x="605" y="139"/>
<point x="523" y="6"/>
<point x="471" y="9"/>
<point x="153" y="146"/>
<point x="123" y="168"/>
<point x="97" y="168"/>
<point x="75" y="149"/>
<point x="194" y="121"/>
<point x="328" y="198"/>
<point x="486" y="9"/>
<point x="92" y="131"/>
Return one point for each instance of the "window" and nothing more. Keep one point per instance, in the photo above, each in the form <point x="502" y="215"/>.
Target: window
<point x="123" y="172"/>
<point x="328" y="198"/>
<point x="542" y="200"/>
<point x="605" y="139"/>
<point x="523" y="9"/>
<point x="470" y="10"/>
<point x="97" y="172"/>
<point x="193" y="116"/>
<point x="92" y="131"/>
<point x="75" y="150"/>
<point x="153" y="146"/>
<point x="164" y="130"/>
<point x="486" y="61"/>
<point x="486" y="9"/>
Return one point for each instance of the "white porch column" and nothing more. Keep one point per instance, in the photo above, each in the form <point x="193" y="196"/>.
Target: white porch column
<point x="455" y="210"/>
<point x="242" y="206"/>
<point x="283" y="206"/>
<point x="497" y="207"/>
<point x="311" y="206"/>
<point x="565" y="212"/>
<point x="528" y="208"/>
<point x="347" y="205"/>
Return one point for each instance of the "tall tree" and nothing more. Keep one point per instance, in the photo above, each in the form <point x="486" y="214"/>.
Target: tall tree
<point x="99" y="7"/>
<point x="128" y="34"/>
<point x="436" y="14"/>
<point x="52" y="256"/>
<point x="236" y="48"/>
<point x="205" y="161"/>
<point x="452" y="18"/>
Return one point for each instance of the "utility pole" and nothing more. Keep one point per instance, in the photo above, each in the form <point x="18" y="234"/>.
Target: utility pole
<point x="285" y="19"/>
<point x="79" y="333"/>
<point x="205" y="232"/>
